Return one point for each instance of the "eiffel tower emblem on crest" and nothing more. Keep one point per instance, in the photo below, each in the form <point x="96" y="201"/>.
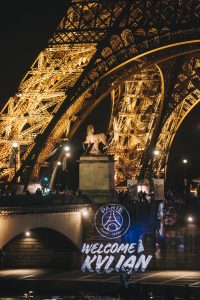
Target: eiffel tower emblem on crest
<point x="114" y="221"/>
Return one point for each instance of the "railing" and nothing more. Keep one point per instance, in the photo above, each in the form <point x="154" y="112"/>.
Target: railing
<point x="40" y="200"/>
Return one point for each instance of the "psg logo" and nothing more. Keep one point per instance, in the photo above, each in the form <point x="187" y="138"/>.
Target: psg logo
<point x="112" y="221"/>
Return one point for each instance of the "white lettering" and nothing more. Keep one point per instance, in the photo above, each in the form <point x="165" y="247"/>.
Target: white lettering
<point x="122" y="264"/>
<point x="114" y="248"/>
<point x="144" y="263"/>
<point x="94" y="248"/>
<point x="86" y="248"/>
<point x="105" y="262"/>
<point x="131" y="248"/>
<point x="106" y="248"/>
<point x="100" y="249"/>
<point x="100" y="262"/>
<point x="129" y="263"/>
<point x="120" y="209"/>
<point x="119" y="263"/>
<point x="123" y="248"/>
<point x="87" y="263"/>
<point x="113" y="207"/>
<point x="107" y="266"/>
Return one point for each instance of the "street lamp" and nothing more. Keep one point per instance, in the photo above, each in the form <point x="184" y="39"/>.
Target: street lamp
<point x="185" y="163"/>
<point x="84" y="213"/>
<point x="156" y="152"/>
<point x="190" y="219"/>
<point x="62" y="161"/>
<point x="67" y="148"/>
<point x="67" y="155"/>
<point x="15" y="145"/>
<point x="154" y="156"/>
<point x="27" y="233"/>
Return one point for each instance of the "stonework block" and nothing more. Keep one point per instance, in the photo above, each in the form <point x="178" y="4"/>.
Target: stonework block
<point x="96" y="176"/>
<point x="96" y="173"/>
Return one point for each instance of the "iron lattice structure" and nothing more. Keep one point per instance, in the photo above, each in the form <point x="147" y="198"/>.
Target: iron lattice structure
<point x="144" y="54"/>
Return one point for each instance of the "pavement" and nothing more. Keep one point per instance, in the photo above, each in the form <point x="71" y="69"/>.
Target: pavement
<point x="70" y="282"/>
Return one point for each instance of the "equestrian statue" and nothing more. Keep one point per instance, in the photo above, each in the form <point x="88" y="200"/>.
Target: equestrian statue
<point x="94" y="140"/>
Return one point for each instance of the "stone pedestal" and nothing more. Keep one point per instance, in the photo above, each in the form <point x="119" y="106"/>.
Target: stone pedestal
<point x="96" y="177"/>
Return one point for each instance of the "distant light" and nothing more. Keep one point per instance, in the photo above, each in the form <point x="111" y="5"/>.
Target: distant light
<point x="84" y="212"/>
<point x="15" y="145"/>
<point x="46" y="178"/>
<point x="185" y="161"/>
<point x="27" y="233"/>
<point x="190" y="219"/>
<point x="67" y="154"/>
<point x="67" y="148"/>
<point x="29" y="295"/>
<point x="59" y="163"/>
<point x="156" y="152"/>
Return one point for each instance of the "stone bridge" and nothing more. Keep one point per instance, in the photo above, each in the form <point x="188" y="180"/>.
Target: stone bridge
<point x="55" y="234"/>
<point x="65" y="219"/>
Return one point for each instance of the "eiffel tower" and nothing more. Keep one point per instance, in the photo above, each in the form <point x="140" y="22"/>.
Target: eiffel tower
<point x="143" y="54"/>
<point x="112" y="223"/>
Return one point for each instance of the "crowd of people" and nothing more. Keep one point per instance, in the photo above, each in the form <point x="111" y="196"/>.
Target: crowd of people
<point x="124" y="197"/>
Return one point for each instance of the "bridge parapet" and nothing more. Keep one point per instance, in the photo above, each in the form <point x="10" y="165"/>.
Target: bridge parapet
<point x="37" y="200"/>
<point x="14" y="210"/>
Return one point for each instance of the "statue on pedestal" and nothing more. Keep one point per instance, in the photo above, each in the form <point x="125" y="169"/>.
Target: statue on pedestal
<point x="94" y="140"/>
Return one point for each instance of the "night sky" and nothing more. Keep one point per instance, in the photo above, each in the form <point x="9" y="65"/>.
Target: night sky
<point x="25" y="29"/>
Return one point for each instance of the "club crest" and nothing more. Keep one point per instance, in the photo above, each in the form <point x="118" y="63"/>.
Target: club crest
<point x="112" y="221"/>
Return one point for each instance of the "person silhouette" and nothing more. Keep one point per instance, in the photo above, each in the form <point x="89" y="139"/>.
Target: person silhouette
<point x="140" y="196"/>
<point x="125" y="286"/>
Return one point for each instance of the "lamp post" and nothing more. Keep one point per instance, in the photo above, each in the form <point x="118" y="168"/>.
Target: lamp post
<point x="155" y="154"/>
<point x="67" y="149"/>
<point x="58" y="166"/>
<point x="61" y="162"/>
<point x="185" y="164"/>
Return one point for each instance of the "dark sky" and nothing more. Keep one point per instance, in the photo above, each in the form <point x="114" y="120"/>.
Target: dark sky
<point x="25" y="27"/>
<point x="186" y="145"/>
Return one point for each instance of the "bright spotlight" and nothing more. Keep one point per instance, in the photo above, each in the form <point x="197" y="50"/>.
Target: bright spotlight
<point x="67" y="148"/>
<point x="67" y="154"/>
<point x="190" y="219"/>
<point x="59" y="163"/>
<point x="84" y="212"/>
<point x="15" y="145"/>
<point x="156" y="152"/>
<point x="27" y="233"/>
<point x="185" y="161"/>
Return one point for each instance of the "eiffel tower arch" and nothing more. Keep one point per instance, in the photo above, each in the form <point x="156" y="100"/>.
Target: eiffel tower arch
<point x="145" y="55"/>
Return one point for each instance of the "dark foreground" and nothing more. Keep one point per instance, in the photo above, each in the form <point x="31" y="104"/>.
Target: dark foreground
<point x="60" y="282"/>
